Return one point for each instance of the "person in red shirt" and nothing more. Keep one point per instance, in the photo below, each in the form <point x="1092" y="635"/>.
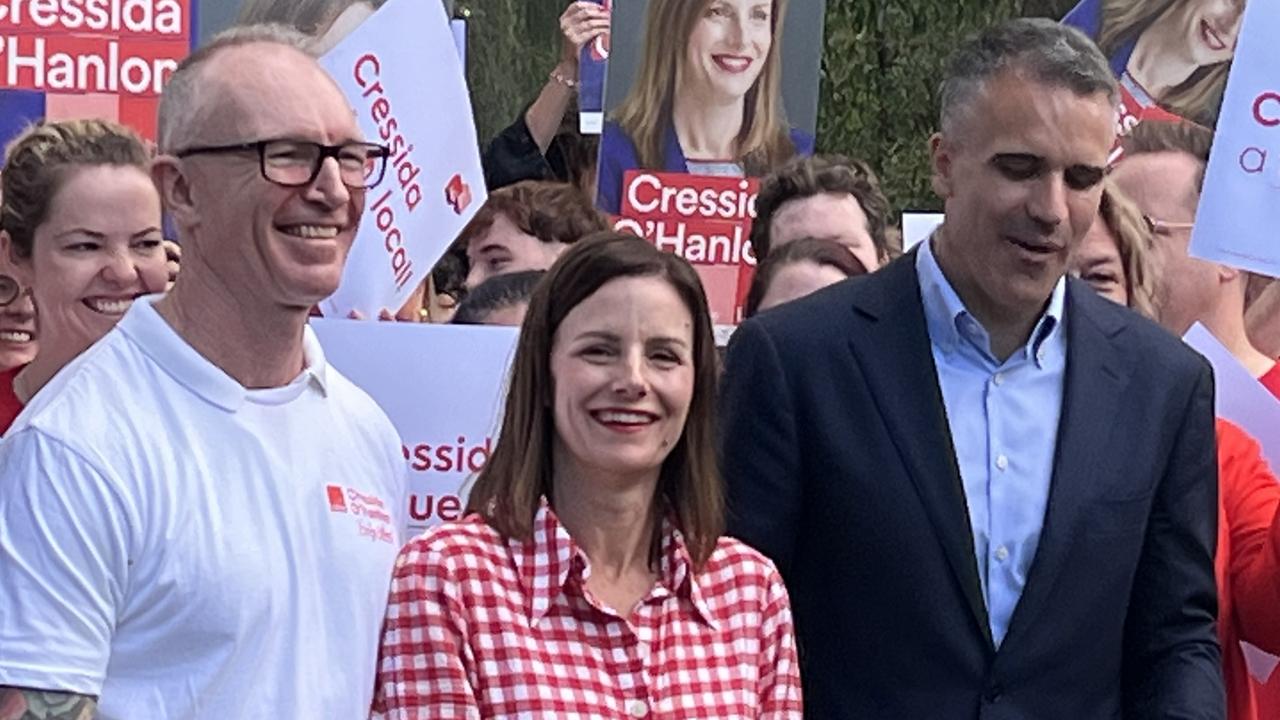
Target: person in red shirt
<point x="17" y="342"/>
<point x="1118" y="260"/>
<point x="590" y="577"/>
<point x="79" y="226"/>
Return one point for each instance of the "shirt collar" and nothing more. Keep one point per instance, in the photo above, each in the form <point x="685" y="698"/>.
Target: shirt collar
<point x="153" y="334"/>
<point x="949" y="322"/>
<point x="547" y="562"/>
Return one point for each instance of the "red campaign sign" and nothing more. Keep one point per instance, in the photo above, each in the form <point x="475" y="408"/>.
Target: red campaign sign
<point x="133" y="19"/>
<point x="704" y="219"/>
<point x="70" y="64"/>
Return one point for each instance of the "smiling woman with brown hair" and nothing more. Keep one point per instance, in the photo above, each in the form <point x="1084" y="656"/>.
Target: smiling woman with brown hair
<point x="707" y="98"/>
<point x="80" y="226"/>
<point x="593" y="549"/>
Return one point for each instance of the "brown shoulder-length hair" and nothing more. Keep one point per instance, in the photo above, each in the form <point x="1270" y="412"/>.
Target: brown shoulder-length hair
<point x="1198" y="97"/>
<point x="764" y="142"/>
<point x="1135" y="244"/>
<point x="510" y="487"/>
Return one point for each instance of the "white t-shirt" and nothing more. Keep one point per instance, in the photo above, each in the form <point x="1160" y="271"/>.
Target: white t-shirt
<point x="182" y="547"/>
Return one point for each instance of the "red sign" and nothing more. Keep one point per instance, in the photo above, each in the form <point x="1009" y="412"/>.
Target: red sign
<point x="703" y="219"/>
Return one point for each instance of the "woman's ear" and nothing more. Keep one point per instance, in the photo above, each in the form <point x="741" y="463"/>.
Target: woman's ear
<point x="11" y="262"/>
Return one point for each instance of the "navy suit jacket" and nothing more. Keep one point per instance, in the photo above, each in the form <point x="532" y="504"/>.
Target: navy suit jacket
<point x="840" y="468"/>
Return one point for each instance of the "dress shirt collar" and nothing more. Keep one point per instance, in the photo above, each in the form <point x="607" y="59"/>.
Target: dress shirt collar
<point x="167" y="348"/>
<point x="950" y="322"/>
<point x="547" y="562"/>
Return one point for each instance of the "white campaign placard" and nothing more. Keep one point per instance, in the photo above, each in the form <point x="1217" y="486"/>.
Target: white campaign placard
<point x="916" y="226"/>
<point x="442" y="386"/>
<point x="1240" y="397"/>
<point x="401" y="72"/>
<point x="1238" y="222"/>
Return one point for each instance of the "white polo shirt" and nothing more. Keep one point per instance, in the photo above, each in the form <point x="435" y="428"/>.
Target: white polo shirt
<point x="182" y="547"/>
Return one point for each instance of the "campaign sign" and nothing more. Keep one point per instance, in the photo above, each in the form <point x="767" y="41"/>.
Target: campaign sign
<point x="1240" y="206"/>
<point x="68" y="59"/>
<point x="1172" y="58"/>
<point x="593" y="62"/>
<point x="917" y="226"/>
<point x="683" y="172"/>
<point x="705" y="220"/>
<point x="401" y="72"/>
<point x="443" y="387"/>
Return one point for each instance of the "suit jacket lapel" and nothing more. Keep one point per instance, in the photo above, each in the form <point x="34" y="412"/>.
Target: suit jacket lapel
<point x="1096" y="375"/>
<point x="891" y="345"/>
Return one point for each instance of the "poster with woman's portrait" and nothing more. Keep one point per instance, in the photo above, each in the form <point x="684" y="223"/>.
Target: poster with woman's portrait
<point x="1171" y="56"/>
<point x="703" y="97"/>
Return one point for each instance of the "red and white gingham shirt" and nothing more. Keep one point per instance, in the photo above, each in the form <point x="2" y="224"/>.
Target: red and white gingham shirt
<point x="482" y="627"/>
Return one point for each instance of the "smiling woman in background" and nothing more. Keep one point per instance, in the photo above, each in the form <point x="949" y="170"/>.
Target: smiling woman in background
<point x="707" y="96"/>
<point x="80" y="226"/>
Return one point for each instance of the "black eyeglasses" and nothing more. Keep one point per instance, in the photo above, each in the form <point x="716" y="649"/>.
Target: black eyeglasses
<point x="10" y="290"/>
<point x="295" y="163"/>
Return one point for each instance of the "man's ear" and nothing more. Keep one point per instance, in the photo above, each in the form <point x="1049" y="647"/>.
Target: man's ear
<point x="174" y="189"/>
<point x="940" y="161"/>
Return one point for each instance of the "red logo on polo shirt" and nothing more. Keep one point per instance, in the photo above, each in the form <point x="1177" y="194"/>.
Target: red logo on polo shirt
<point x="337" y="499"/>
<point x="369" y="512"/>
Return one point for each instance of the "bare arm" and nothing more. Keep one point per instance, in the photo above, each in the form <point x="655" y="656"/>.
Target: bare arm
<point x="28" y="704"/>
<point x="580" y="24"/>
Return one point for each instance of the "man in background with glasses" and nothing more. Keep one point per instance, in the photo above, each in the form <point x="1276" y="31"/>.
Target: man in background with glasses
<point x="199" y="516"/>
<point x="1163" y="171"/>
<point x="17" y="341"/>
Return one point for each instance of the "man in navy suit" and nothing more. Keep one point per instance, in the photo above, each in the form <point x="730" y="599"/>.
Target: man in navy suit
<point x="992" y="493"/>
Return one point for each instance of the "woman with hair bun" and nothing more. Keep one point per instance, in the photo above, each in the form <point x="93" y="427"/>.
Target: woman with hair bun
<point x="80" y="226"/>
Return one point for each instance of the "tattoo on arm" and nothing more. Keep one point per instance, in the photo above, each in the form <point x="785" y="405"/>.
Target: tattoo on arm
<point x="30" y="704"/>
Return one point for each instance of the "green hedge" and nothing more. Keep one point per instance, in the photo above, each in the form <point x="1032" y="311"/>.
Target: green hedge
<point x="880" y="67"/>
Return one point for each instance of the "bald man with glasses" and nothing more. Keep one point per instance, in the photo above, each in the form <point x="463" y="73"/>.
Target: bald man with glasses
<point x="199" y="517"/>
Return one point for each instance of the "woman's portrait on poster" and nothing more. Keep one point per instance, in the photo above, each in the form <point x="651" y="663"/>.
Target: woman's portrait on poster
<point x="706" y="99"/>
<point x="1171" y="54"/>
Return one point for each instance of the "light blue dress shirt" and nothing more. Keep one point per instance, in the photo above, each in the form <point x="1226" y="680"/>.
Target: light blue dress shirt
<point x="1004" y="423"/>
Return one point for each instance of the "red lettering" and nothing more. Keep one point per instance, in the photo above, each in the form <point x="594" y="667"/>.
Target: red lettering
<point x="367" y="60"/>
<point x="1260" y="106"/>
<point x="460" y="456"/>
<point x="425" y="508"/>
<point x="1253" y="160"/>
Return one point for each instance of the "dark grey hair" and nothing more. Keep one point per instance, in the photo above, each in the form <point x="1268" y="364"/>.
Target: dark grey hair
<point x="181" y="102"/>
<point x="1045" y="51"/>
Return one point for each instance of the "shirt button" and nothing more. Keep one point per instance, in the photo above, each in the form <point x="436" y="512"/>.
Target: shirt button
<point x="1002" y="462"/>
<point x="998" y="379"/>
<point x="1002" y="553"/>
<point x="638" y="709"/>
